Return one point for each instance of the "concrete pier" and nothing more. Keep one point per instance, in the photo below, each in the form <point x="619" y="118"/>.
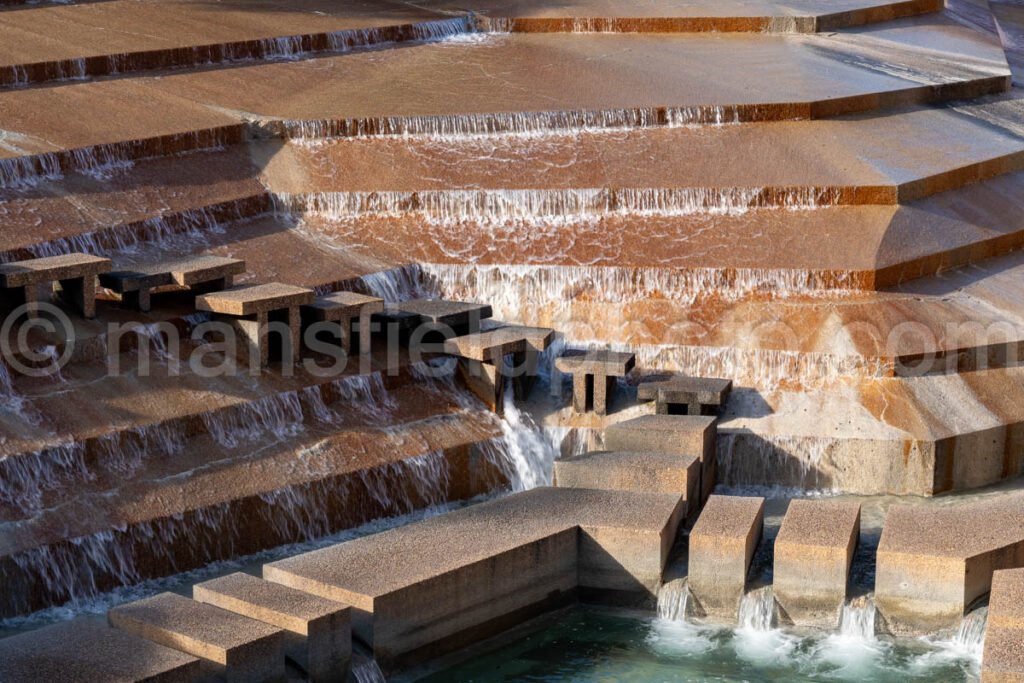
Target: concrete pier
<point x="242" y="650"/>
<point x="722" y="545"/>
<point x="687" y="395"/>
<point x="594" y="376"/>
<point x="678" y="434"/>
<point x="252" y="308"/>
<point x="80" y="651"/>
<point x="813" y="554"/>
<point x="1003" y="658"/>
<point x="318" y="631"/>
<point x="448" y="581"/>
<point x="35" y="278"/>
<point x="135" y="285"/>
<point x="462" y="317"/>
<point x="933" y="562"/>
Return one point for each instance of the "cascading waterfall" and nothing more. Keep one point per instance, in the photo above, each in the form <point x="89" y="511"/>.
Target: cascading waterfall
<point x="857" y="619"/>
<point x="502" y="204"/>
<point x="773" y="460"/>
<point x="674" y="600"/>
<point x="757" y="610"/>
<point x="970" y="637"/>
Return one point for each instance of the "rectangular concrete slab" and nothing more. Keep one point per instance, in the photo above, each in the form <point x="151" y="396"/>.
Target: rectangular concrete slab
<point x="488" y="346"/>
<point x="1003" y="656"/>
<point x="342" y="305"/>
<point x="538" y="338"/>
<point x="680" y="434"/>
<point x="692" y="395"/>
<point x="243" y="649"/>
<point x="253" y="299"/>
<point x="604" y="363"/>
<point x="319" y="631"/>
<point x="86" y="651"/>
<point x="200" y="269"/>
<point x="933" y="562"/>
<point x="457" y="314"/>
<point x="51" y="268"/>
<point x="722" y="545"/>
<point x="1006" y="602"/>
<point x="813" y="553"/>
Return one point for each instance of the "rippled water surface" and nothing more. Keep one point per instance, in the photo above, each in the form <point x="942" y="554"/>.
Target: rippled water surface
<point x="591" y="644"/>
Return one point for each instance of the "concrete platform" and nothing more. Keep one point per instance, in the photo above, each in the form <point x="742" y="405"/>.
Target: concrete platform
<point x="934" y="562"/>
<point x="255" y="299"/>
<point x="594" y="376"/>
<point x="78" y="651"/>
<point x="722" y="545"/>
<point x="455" y="579"/>
<point x="649" y="472"/>
<point x="245" y="650"/>
<point x="813" y="554"/>
<point x="461" y="316"/>
<point x="687" y="435"/>
<point x="1003" y="657"/>
<point x="36" y="278"/>
<point x="135" y="285"/>
<point x="347" y="308"/>
<point x="319" y="635"/>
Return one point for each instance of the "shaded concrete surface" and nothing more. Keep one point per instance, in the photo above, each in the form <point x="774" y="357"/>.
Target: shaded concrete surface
<point x="932" y="564"/>
<point x="455" y="579"/>
<point x="1003" y="659"/>
<point x="91" y="652"/>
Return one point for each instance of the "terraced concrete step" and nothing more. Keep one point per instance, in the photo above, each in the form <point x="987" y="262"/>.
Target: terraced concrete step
<point x="318" y="633"/>
<point x="585" y="87"/>
<point x="245" y="650"/>
<point x="933" y="563"/>
<point x="1002" y="661"/>
<point x="869" y="160"/>
<point x="455" y="579"/>
<point x="86" y="651"/>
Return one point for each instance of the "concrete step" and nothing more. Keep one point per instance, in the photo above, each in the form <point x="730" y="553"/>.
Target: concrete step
<point x="244" y="650"/>
<point x="455" y="579"/>
<point x="318" y="632"/>
<point x="581" y="91"/>
<point x="87" y="651"/>
<point x="933" y="563"/>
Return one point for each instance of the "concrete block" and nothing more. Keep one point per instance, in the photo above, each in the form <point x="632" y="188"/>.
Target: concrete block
<point x="722" y="545"/>
<point x="687" y="395"/>
<point x="1003" y="657"/>
<point x="75" y="272"/>
<point x="679" y="434"/>
<point x="86" y="651"/>
<point x="933" y="561"/>
<point x="593" y="377"/>
<point x="254" y="299"/>
<point x="243" y="650"/>
<point x="813" y="554"/>
<point x="319" y="633"/>
<point x="344" y="308"/>
<point x="461" y="316"/>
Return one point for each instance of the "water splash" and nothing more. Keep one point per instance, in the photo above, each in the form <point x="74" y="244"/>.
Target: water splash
<point x="748" y="460"/>
<point x="366" y="670"/>
<point x="970" y="637"/>
<point x="857" y="619"/>
<point x="525" y="453"/>
<point x="757" y="610"/>
<point x="674" y="600"/>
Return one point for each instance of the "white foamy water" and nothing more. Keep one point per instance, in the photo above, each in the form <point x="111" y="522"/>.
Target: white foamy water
<point x="674" y="600"/>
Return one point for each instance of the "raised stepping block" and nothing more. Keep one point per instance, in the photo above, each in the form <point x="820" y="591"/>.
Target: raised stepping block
<point x="243" y="650"/>
<point x="594" y="376"/>
<point x="644" y="472"/>
<point x="318" y="633"/>
<point x="722" y="545"/>
<point x="458" y="578"/>
<point x="687" y="395"/>
<point x="482" y="362"/>
<point x="1003" y="657"/>
<point x="461" y="316"/>
<point x="934" y="561"/>
<point x="252" y="308"/>
<point x="526" y="365"/>
<point x="76" y="274"/>
<point x="207" y="272"/>
<point x="79" y="651"/>
<point x="678" y="434"/>
<point x="345" y="308"/>
<point x="813" y="554"/>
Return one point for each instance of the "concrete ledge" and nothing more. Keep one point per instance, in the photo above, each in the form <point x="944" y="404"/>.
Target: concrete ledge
<point x="644" y="472"/>
<point x="254" y="299"/>
<point x="687" y="395"/>
<point x="446" y="582"/>
<point x="319" y="636"/>
<point x="678" y="434"/>
<point x="813" y="553"/>
<point x="244" y="650"/>
<point x="458" y="315"/>
<point x="1003" y="658"/>
<point x="86" y="651"/>
<point x="722" y="545"/>
<point x="933" y="562"/>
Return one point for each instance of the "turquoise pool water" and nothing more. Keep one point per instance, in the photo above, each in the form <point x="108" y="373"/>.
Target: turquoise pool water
<point x="606" y="646"/>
